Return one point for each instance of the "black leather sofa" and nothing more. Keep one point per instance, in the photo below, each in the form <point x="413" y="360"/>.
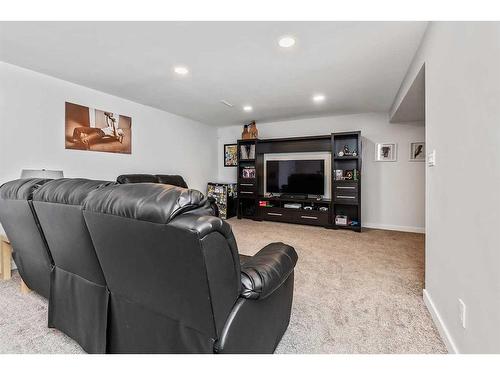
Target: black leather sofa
<point x="145" y="268"/>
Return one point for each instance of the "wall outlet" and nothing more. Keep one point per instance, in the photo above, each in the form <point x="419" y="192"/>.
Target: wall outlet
<point x="463" y="313"/>
<point x="431" y="158"/>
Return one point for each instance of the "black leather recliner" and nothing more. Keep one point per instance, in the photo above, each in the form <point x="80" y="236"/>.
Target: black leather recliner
<point x="30" y="251"/>
<point x="165" y="271"/>
<point x="78" y="302"/>
<point x="175" y="280"/>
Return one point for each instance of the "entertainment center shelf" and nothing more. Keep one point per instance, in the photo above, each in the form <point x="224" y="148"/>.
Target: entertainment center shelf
<point x="343" y="210"/>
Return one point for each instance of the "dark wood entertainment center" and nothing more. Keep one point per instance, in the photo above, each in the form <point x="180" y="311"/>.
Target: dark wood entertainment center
<point x="345" y="193"/>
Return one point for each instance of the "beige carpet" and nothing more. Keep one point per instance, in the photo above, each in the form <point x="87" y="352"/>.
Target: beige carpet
<point x="354" y="293"/>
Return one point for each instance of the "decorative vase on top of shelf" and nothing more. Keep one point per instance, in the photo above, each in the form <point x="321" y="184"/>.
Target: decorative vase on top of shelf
<point x="245" y="134"/>
<point x="250" y="131"/>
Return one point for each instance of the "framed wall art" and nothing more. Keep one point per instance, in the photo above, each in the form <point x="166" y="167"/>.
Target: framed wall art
<point x="386" y="152"/>
<point x="231" y="155"/>
<point x="91" y="129"/>
<point x="417" y="151"/>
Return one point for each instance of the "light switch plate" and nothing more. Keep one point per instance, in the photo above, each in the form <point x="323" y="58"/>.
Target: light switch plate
<point x="463" y="313"/>
<point x="431" y="158"/>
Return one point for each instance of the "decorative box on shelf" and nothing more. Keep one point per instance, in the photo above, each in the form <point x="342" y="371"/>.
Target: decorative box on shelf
<point x="341" y="220"/>
<point x="225" y="198"/>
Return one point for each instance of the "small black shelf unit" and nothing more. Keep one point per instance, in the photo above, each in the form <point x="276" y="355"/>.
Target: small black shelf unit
<point x="224" y="195"/>
<point x="345" y="194"/>
<point x="247" y="185"/>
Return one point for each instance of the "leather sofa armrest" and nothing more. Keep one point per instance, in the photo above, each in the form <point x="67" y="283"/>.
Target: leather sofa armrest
<point x="263" y="273"/>
<point x="213" y="206"/>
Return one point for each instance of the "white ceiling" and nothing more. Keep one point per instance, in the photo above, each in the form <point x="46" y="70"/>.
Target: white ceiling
<point x="358" y="66"/>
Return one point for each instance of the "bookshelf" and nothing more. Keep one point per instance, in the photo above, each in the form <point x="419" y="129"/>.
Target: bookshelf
<point x="247" y="178"/>
<point x="346" y="180"/>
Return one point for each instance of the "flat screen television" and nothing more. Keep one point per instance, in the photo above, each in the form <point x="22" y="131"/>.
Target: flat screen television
<point x="295" y="177"/>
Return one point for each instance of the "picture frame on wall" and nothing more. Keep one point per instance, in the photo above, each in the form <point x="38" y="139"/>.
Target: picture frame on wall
<point x="417" y="151"/>
<point x="231" y="155"/>
<point x="386" y="152"/>
<point x="91" y="129"/>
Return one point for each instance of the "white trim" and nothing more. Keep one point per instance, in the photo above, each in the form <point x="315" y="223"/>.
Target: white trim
<point x="399" y="228"/>
<point x="438" y="321"/>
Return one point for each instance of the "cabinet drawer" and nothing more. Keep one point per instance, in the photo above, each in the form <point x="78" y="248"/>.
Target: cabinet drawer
<point x="346" y="192"/>
<point x="296" y="216"/>
<point x="345" y="187"/>
<point x="313" y="217"/>
<point x="246" y="185"/>
<point x="246" y="193"/>
<point x="345" y="195"/>
<point x="247" y="188"/>
<point x="275" y="213"/>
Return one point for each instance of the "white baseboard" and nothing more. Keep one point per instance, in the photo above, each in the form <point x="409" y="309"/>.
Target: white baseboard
<point x="438" y="321"/>
<point x="394" y="227"/>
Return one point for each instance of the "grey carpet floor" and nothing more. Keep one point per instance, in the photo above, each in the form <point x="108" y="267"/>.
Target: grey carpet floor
<point x="354" y="293"/>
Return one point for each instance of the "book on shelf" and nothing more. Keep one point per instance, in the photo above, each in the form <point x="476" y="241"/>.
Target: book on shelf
<point x="247" y="152"/>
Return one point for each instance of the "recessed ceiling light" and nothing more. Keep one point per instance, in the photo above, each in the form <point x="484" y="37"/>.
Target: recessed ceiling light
<point x="286" y="41"/>
<point x="247" y="108"/>
<point x="181" y="70"/>
<point x="318" y="98"/>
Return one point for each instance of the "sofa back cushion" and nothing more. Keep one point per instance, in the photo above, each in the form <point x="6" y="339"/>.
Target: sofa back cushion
<point x="167" y="179"/>
<point x="18" y="218"/>
<point x="151" y="202"/>
<point x="58" y="205"/>
<point x="135" y="178"/>
<point x="171" y="179"/>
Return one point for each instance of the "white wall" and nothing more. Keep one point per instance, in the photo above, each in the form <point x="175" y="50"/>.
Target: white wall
<point x="392" y="193"/>
<point x="462" y="71"/>
<point x="32" y="133"/>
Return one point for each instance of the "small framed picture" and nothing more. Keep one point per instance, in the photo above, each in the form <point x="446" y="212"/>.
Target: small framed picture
<point x="248" y="172"/>
<point x="386" y="152"/>
<point x="417" y="151"/>
<point x="231" y="155"/>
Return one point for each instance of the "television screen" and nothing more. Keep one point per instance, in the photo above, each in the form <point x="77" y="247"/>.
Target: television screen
<point x="295" y="176"/>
